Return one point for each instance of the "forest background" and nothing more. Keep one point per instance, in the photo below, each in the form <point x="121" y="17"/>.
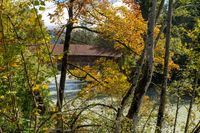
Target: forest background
<point x="159" y="41"/>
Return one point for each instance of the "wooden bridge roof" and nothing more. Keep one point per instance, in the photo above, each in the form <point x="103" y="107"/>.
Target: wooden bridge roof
<point x="86" y="50"/>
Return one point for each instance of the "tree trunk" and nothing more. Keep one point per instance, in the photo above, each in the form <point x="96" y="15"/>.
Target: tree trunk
<point x="196" y="129"/>
<point x="177" y="111"/>
<point x="160" y="9"/>
<point x="161" y="111"/>
<point x="1" y="23"/>
<point x="134" y="81"/>
<point x="149" y="117"/>
<point x="191" y="103"/>
<point x="69" y="28"/>
<point x="146" y="80"/>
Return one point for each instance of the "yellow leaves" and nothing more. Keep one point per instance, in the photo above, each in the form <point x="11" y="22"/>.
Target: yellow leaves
<point x="36" y="88"/>
<point x="39" y="87"/>
<point x="2" y="97"/>
<point x="108" y="80"/>
<point x="60" y="57"/>
<point x="194" y="34"/>
<point x="74" y="21"/>
<point x="36" y="111"/>
<point x="1" y="68"/>
<point x="54" y="109"/>
<point x="126" y="26"/>
<point x="160" y="53"/>
<point x="160" y="61"/>
<point x="122" y="25"/>
<point x="45" y="129"/>
<point x="45" y="86"/>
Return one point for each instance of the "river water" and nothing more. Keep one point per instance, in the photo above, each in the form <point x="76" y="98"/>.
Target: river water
<point x="73" y="86"/>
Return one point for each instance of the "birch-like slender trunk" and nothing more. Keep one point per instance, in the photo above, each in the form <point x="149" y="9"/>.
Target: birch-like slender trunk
<point x="1" y="23"/>
<point x="69" y="28"/>
<point x="160" y="9"/>
<point x="137" y="75"/>
<point x="147" y="76"/>
<point x="196" y="129"/>
<point x="177" y="111"/>
<point x="191" y="103"/>
<point x="134" y="81"/>
<point x="161" y="110"/>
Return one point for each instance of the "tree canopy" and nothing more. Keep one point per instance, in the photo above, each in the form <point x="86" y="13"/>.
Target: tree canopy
<point x="156" y="76"/>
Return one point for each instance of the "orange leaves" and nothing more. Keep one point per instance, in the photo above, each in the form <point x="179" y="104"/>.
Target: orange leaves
<point x="125" y="25"/>
<point x="146" y="98"/>
<point x="159" y="56"/>
<point x="13" y="65"/>
<point x="1" y="68"/>
<point x="172" y="65"/>
<point x="86" y="1"/>
<point x="79" y="8"/>
<point x="134" y="6"/>
<point x="122" y="25"/>
<point x="108" y="80"/>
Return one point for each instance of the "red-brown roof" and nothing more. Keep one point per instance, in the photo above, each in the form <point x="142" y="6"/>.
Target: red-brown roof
<point x="86" y="50"/>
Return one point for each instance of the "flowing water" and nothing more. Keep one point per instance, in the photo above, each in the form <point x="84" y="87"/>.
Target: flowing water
<point x="73" y="86"/>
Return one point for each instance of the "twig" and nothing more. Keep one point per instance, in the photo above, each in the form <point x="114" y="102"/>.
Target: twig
<point x="149" y="117"/>
<point x="41" y="124"/>
<point x="89" y="125"/>
<point x="90" y="106"/>
<point x="87" y="73"/>
<point x="160" y="10"/>
<point x="177" y="111"/>
<point x="48" y="51"/>
<point x="86" y="28"/>
<point x="24" y="63"/>
<point x="61" y="31"/>
<point x="196" y="128"/>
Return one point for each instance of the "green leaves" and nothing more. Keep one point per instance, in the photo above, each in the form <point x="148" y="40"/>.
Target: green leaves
<point x="41" y="8"/>
<point x="22" y="64"/>
<point x="41" y="4"/>
<point x="36" y="3"/>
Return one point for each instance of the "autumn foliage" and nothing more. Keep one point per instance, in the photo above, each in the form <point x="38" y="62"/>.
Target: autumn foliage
<point x="126" y="27"/>
<point x="108" y="80"/>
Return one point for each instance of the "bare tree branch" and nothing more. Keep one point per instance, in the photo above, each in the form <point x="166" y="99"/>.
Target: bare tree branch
<point x="160" y="10"/>
<point x="86" y="28"/>
<point x="90" y="106"/>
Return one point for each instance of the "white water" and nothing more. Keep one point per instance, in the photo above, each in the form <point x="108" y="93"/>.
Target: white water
<point x="73" y="87"/>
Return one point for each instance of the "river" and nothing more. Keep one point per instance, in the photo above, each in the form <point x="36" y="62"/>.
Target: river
<point x="73" y="86"/>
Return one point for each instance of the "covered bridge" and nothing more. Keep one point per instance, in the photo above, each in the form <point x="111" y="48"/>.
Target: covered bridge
<point x="82" y="55"/>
